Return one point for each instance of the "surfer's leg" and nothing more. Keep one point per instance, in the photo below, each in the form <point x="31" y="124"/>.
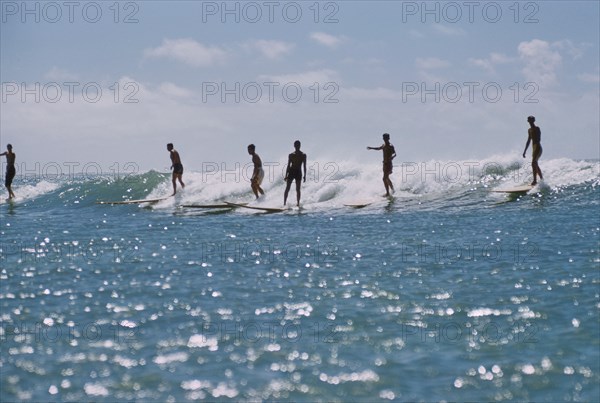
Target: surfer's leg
<point x="536" y="171"/>
<point x="10" y="175"/>
<point x="538" y="165"/>
<point x="386" y="184"/>
<point x="287" y="190"/>
<point x="535" y="156"/>
<point x="254" y="187"/>
<point x="259" y="179"/>
<point x="174" y="180"/>
<point x="390" y="184"/>
<point x="298" y="186"/>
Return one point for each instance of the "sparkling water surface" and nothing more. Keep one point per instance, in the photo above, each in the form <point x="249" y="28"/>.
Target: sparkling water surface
<point x="445" y="294"/>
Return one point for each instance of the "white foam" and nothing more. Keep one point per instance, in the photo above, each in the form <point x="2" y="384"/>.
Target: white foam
<point x="330" y="184"/>
<point x="30" y="192"/>
<point x="333" y="184"/>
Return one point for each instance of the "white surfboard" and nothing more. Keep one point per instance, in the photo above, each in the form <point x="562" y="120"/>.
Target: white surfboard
<point x="358" y="204"/>
<point x="517" y="189"/>
<point x="265" y="209"/>
<point x="212" y="206"/>
<point x="133" y="201"/>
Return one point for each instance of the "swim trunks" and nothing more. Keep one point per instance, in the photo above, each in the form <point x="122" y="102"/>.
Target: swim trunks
<point x="294" y="175"/>
<point x="177" y="168"/>
<point x="536" y="152"/>
<point x="388" y="167"/>
<point x="10" y="175"/>
<point x="260" y="176"/>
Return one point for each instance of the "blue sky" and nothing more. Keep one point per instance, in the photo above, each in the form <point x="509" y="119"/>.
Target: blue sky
<point x="416" y="70"/>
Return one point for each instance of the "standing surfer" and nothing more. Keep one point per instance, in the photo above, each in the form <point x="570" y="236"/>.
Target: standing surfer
<point x="534" y="137"/>
<point x="176" y="166"/>
<point x="293" y="172"/>
<point x="11" y="171"/>
<point x="389" y="153"/>
<point x="257" y="174"/>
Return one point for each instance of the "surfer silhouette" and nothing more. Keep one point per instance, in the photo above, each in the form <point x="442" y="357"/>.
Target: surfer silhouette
<point x="389" y="153"/>
<point x="293" y="172"/>
<point x="177" y="168"/>
<point x="11" y="171"/>
<point x="534" y="137"/>
<point x="258" y="174"/>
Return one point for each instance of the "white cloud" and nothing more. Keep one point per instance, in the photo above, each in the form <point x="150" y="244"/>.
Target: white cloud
<point x="188" y="51"/>
<point x="305" y="79"/>
<point x="271" y="49"/>
<point x="369" y="61"/>
<point x="485" y="64"/>
<point x="593" y="78"/>
<point x="541" y="62"/>
<point x="415" y="34"/>
<point x="368" y="94"/>
<point x="57" y="74"/>
<point x="172" y="90"/>
<point x="498" y="58"/>
<point x="574" y="51"/>
<point x="430" y="63"/>
<point x="489" y="63"/>
<point x="328" y="40"/>
<point x="449" y="31"/>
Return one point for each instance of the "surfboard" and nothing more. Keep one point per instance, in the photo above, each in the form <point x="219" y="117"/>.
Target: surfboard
<point x="209" y="206"/>
<point x="357" y="205"/>
<point x="133" y="201"/>
<point x="517" y="189"/>
<point x="8" y="201"/>
<point x="265" y="209"/>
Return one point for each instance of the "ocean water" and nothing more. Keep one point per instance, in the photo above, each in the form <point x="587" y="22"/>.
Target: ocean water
<point x="449" y="292"/>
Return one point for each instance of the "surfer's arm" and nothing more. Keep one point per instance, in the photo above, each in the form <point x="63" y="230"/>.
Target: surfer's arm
<point x="304" y="165"/>
<point x="375" y="148"/>
<point x="257" y="163"/>
<point x="287" y="169"/>
<point x="175" y="159"/>
<point x="526" y="146"/>
<point x="4" y="153"/>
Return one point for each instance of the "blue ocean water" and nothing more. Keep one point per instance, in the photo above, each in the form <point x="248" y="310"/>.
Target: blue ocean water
<point x="450" y="292"/>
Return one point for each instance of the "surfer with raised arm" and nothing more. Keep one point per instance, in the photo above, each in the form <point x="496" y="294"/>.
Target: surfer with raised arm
<point x="176" y="166"/>
<point x="389" y="153"/>
<point x="293" y="172"/>
<point x="257" y="174"/>
<point x="534" y="137"/>
<point x="11" y="171"/>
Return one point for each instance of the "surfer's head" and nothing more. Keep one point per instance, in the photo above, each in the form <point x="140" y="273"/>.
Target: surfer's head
<point x="9" y="146"/>
<point x="251" y="149"/>
<point x="170" y="146"/>
<point x="297" y="144"/>
<point x="531" y="119"/>
<point x="386" y="136"/>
